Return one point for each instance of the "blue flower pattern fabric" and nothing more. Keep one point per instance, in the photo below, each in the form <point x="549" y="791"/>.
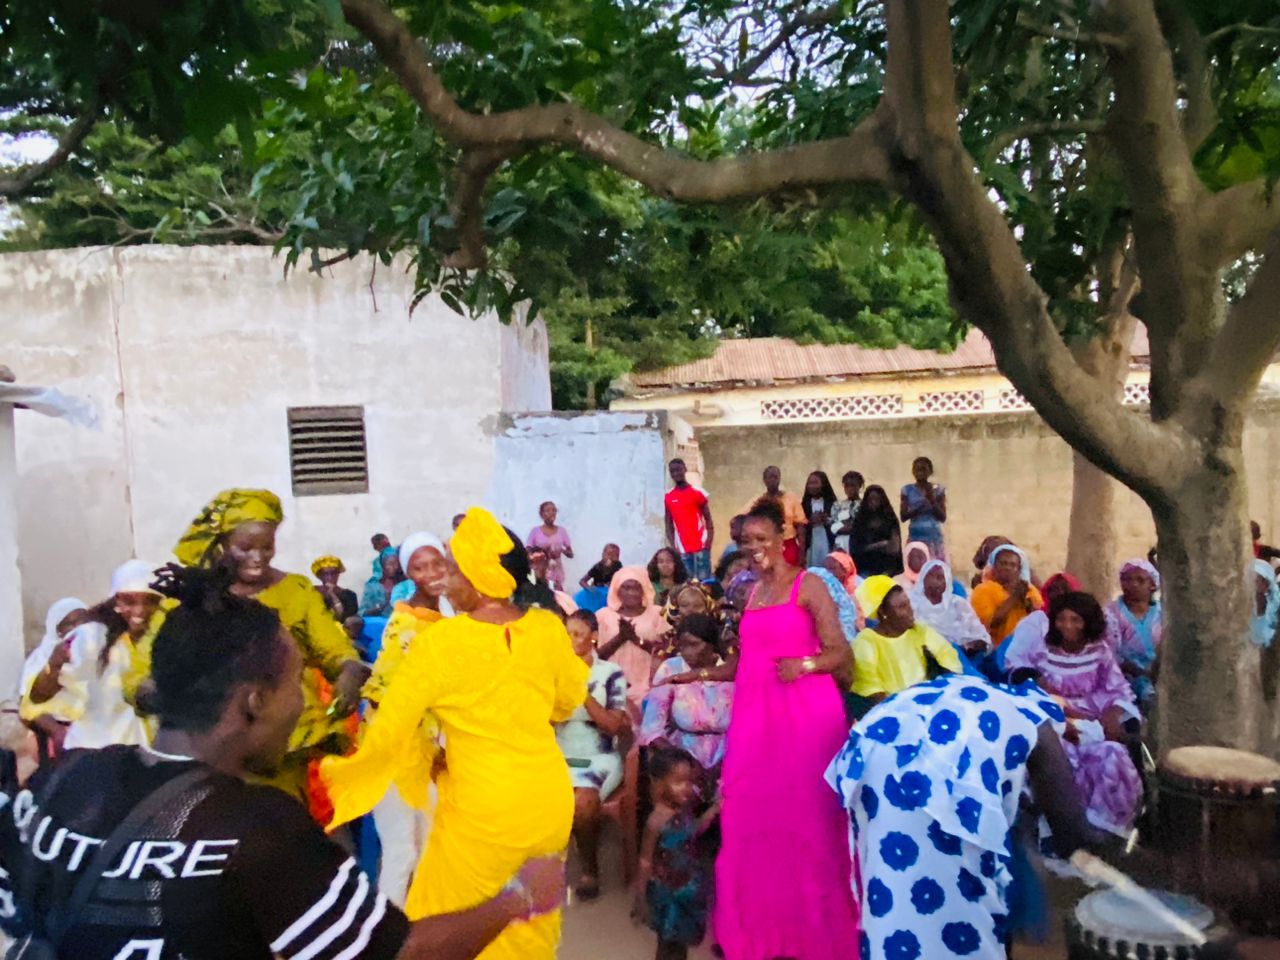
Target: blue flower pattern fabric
<point x="932" y="779"/>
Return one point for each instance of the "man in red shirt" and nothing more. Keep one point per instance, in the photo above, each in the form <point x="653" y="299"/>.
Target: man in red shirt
<point x="690" y="529"/>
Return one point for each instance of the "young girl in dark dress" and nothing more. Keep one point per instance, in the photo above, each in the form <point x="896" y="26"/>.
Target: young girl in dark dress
<point x="673" y="888"/>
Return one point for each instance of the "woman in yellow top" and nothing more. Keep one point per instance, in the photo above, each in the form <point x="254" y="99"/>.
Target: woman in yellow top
<point x="237" y="528"/>
<point x="1003" y="601"/>
<point x="891" y="656"/>
<point x="402" y="829"/>
<point x="495" y="677"/>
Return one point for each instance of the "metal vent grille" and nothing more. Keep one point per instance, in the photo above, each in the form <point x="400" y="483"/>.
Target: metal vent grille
<point x="327" y="452"/>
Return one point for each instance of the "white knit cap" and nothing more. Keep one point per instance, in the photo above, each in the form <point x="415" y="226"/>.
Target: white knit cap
<point x="133" y="576"/>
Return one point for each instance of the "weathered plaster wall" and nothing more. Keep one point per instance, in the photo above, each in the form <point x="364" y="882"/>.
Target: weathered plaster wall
<point x="1004" y="473"/>
<point x="193" y="355"/>
<point x="10" y="576"/>
<point x="604" y="471"/>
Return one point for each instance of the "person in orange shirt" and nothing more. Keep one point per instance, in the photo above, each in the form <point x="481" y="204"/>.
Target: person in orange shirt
<point x="795" y="524"/>
<point x="1002" y="602"/>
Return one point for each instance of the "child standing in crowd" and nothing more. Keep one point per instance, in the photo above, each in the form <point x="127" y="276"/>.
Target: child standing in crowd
<point x="690" y="529"/>
<point x="601" y="574"/>
<point x="924" y="505"/>
<point x="595" y="584"/>
<point x="554" y="540"/>
<point x="673" y="887"/>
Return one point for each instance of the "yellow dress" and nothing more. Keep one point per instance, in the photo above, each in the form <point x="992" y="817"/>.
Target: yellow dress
<point x="405" y="623"/>
<point x="889" y="664"/>
<point x="506" y="795"/>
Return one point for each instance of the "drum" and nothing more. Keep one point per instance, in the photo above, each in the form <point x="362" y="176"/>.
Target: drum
<point x="1104" y="925"/>
<point x="1218" y="820"/>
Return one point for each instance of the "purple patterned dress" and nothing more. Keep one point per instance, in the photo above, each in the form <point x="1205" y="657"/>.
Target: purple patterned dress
<point x="1090" y="683"/>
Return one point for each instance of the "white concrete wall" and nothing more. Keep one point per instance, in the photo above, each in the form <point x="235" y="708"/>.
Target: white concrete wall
<point x="193" y="355"/>
<point x="605" y="471"/>
<point x="11" y="646"/>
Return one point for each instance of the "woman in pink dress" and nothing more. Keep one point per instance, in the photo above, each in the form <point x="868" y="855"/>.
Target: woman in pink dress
<point x="783" y="878"/>
<point x="554" y="540"/>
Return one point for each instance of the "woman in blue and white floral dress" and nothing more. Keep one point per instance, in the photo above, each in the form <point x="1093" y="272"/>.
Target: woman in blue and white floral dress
<point x="933" y="778"/>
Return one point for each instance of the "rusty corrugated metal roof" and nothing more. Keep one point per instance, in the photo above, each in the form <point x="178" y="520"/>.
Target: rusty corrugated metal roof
<point x="772" y="359"/>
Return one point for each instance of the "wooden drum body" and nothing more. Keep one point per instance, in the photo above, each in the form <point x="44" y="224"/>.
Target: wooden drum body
<point x="1218" y="821"/>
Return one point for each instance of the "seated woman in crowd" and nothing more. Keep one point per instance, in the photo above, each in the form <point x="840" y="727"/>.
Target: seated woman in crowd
<point x="737" y="593"/>
<point x="691" y="716"/>
<point x="914" y="557"/>
<point x="936" y="605"/>
<point x="1266" y="618"/>
<point x="876" y="539"/>
<point x="589" y="740"/>
<point x="730" y="565"/>
<point x="1077" y="667"/>
<point x="1137" y="610"/>
<point x="376" y="601"/>
<point x="1003" y="601"/>
<point x="633" y="632"/>
<point x="896" y="652"/>
<point x="666" y="572"/>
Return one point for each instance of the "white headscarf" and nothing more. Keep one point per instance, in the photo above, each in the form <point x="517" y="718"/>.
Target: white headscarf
<point x="415" y="542"/>
<point x="953" y="617"/>
<point x="1026" y="564"/>
<point x="411" y="545"/>
<point x="39" y="657"/>
<point x="1138" y="563"/>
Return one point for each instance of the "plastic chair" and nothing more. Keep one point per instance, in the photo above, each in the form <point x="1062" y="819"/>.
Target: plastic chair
<point x="622" y="809"/>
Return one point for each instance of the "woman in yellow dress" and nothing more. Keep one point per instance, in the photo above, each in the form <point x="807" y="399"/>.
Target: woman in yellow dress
<point x="238" y="528"/>
<point x="495" y="677"/>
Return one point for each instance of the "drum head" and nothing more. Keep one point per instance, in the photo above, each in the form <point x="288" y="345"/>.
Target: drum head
<point x="1219" y="765"/>
<point x="1111" y="918"/>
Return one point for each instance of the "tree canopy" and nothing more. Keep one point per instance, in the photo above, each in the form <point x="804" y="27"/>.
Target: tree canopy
<point x="1076" y="163"/>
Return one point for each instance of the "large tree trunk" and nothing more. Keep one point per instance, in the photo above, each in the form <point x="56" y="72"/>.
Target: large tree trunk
<point x="1211" y="684"/>
<point x="1091" y="538"/>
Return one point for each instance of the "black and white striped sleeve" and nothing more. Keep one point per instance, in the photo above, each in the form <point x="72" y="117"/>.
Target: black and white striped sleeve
<point x="311" y="900"/>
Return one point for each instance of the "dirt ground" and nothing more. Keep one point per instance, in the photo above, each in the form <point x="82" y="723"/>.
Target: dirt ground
<point x="602" y="929"/>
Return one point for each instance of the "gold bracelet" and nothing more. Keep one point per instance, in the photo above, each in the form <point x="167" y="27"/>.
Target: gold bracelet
<point x="809" y="664"/>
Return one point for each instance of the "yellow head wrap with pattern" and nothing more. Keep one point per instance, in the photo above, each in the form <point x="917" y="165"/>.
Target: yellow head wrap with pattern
<point x="228" y="510"/>
<point x="478" y="546"/>
<point x="327" y="562"/>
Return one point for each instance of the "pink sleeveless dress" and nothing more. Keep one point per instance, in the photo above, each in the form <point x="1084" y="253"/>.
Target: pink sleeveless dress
<point x="783" y="877"/>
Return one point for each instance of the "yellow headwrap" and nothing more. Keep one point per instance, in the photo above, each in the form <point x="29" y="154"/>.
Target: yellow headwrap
<point x="327" y="562"/>
<point x="872" y="593"/>
<point x="477" y="546"/>
<point x="228" y="510"/>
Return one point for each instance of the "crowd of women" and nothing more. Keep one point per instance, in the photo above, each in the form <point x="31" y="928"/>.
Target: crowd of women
<point x="827" y="697"/>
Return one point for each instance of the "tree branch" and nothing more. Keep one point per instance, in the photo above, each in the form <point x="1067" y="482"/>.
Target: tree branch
<point x="858" y="157"/>
<point x="467" y="206"/>
<point x="1003" y="138"/>
<point x="1238" y="219"/>
<point x="1249" y="339"/>
<point x="805" y="20"/>
<point x="1191" y="58"/>
<point x="991" y="284"/>
<point x="22" y="180"/>
<point x="1180" y="290"/>
<point x="1241" y="28"/>
<point x="1089" y="37"/>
